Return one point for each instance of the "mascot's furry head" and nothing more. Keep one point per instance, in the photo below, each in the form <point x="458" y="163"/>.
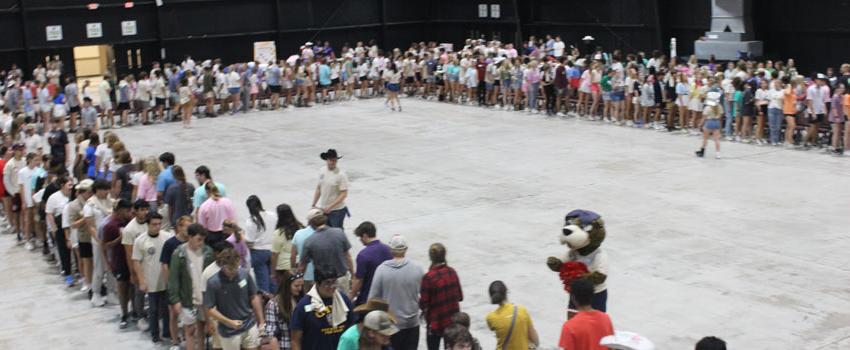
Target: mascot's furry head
<point x="584" y="231"/>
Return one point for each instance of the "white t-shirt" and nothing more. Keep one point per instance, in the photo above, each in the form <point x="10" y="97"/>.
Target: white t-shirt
<point x="104" y="153"/>
<point x="55" y="205"/>
<point x="559" y="48"/>
<point x="147" y="251"/>
<point x="24" y="179"/>
<point x="193" y="259"/>
<point x="262" y="239"/>
<point x="233" y="80"/>
<point x="143" y="90"/>
<point x="90" y="210"/>
<point x="132" y="231"/>
<point x="331" y="184"/>
<point x="103" y="90"/>
<point x="33" y="143"/>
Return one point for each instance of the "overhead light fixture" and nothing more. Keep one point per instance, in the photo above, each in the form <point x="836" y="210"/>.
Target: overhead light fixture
<point x="93" y="6"/>
<point x="128" y="5"/>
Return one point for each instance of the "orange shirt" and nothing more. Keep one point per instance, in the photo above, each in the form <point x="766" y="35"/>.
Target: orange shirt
<point x="789" y="102"/>
<point x="585" y="330"/>
<point x="846" y="103"/>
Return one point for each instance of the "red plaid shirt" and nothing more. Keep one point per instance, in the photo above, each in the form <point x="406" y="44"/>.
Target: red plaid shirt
<point x="440" y="296"/>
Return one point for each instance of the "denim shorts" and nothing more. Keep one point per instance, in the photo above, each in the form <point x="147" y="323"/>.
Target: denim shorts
<point x="712" y="124"/>
<point x="617" y="96"/>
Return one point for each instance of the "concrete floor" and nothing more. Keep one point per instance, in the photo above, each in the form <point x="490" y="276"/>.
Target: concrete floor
<point x="751" y="248"/>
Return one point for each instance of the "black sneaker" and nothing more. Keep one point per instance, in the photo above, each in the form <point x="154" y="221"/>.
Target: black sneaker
<point x="123" y="324"/>
<point x="700" y="153"/>
<point x="156" y="339"/>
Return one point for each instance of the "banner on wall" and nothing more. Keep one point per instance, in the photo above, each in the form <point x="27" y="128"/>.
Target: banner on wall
<point x="128" y="28"/>
<point x="54" y="33"/>
<point x="94" y="30"/>
<point x="265" y="51"/>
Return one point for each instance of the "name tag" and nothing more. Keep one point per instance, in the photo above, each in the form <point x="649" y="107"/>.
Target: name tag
<point x="243" y="283"/>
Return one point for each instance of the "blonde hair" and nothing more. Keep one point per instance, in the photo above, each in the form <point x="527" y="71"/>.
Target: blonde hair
<point x="110" y="138"/>
<point x="151" y="167"/>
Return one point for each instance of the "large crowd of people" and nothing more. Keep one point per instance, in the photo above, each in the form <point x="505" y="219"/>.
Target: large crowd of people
<point x="135" y="232"/>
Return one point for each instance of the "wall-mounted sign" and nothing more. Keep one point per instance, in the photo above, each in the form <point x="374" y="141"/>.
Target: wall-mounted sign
<point x="128" y="28"/>
<point x="265" y="51"/>
<point x="94" y="30"/>
<point x="54" y="33"/>
<point x="495" y="10"/>
<point x="482" y="10"/>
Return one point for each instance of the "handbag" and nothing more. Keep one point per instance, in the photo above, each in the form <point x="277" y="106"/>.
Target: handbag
<point x="510" y="330"/>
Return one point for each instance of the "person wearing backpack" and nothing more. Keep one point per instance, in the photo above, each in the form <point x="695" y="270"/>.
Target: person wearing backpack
<point x="511" y="322"/>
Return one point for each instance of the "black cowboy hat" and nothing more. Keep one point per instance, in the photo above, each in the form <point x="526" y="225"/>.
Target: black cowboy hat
<point x="330" y="154"/>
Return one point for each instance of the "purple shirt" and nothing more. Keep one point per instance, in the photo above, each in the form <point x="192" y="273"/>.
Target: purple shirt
<point x="372" y="256"/>
<point x="837" y="111"/>
<point x="242" y="248"/>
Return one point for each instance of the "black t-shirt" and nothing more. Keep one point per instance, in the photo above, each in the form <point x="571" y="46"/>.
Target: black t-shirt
<point x="123" y="176"/>
<point x="168" y="249"/>
<point x="57" y="140"/>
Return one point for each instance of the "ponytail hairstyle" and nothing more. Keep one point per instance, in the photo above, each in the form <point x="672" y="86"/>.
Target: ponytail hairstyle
<point x="255" y="209"/>
<point x="237" y="231"/>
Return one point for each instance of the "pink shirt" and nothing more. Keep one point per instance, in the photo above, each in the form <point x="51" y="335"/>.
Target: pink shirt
<point x="147" y="189"/>
<point x="212" y="213"/>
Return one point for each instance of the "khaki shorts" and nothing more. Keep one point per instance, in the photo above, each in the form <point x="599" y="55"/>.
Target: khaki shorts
<point x="247" y="339"/>
<point x="188" y="317"/>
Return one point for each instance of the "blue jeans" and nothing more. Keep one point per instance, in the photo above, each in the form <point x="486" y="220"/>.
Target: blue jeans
<point x="774" y="123"/>
<point x="158" y="310"/>
<point x="336" y="217"/>
<point x="532" y="96"/>
<point x="260" y="261"/>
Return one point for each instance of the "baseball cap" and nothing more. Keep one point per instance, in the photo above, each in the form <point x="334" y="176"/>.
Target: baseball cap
<point x="380" y="322"/>
<point x="314" y="213"/>
<point x="85" y="185"/>
<point x="398" y="243"/>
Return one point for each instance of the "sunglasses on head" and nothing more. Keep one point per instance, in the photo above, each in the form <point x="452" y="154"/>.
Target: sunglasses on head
<point x="296" y="276"/>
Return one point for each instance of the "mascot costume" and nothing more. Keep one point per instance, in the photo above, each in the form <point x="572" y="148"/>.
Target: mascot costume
<point x="583" y="234"/>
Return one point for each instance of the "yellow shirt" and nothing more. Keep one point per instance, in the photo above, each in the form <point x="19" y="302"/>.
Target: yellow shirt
<point x="499" y="321"/>
<point x="283" y="248"/>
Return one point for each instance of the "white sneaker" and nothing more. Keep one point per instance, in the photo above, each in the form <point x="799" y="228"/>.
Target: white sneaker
<point x="561" y="114"/>
<point x="717" y="155"/>
<point x="97" y="300"/>
<point x="142" y="324"/>
<point x="29" y="246"/>
<point x="85" y="288"/>
<point x="174" y="347"/>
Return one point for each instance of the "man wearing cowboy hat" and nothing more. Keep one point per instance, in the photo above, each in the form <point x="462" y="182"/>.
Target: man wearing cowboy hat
<point x="332" y="190"/>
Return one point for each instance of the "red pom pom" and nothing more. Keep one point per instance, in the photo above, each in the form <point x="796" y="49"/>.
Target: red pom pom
<point x="571" y="271"/>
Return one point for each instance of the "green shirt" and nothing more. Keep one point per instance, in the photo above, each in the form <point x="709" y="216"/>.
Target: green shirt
<point x="606" y="83"/>
<point x="350" y="339"/>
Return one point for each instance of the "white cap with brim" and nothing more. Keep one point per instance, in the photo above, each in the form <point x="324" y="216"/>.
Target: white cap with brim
<point x="626" y="341"/>
<point x="397" y="243"/>
<point x="379" y="321"/>
<point x="85" y="185"/>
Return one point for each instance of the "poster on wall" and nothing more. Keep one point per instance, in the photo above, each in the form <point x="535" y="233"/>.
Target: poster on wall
<point x="482" y="10"/>
<point x="94" y="30"/>
<point x="495" y="10"/>
<point x="128" y="28"/>
<point x="265" y="51"/>
<point x="54" y="33"/>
